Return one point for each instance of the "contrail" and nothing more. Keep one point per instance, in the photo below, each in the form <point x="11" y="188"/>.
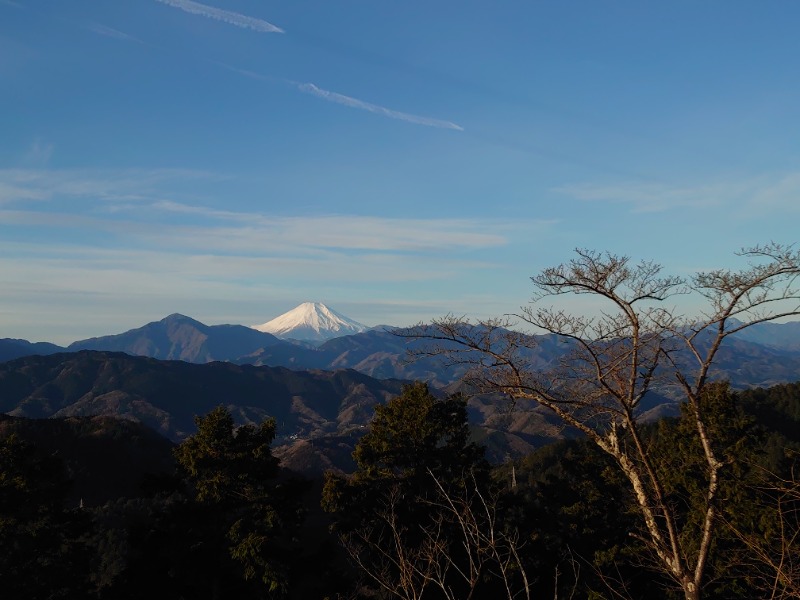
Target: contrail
<point x="111" y="32"/>
<point x="225" y="16"/>
<point x="310" y="88"/>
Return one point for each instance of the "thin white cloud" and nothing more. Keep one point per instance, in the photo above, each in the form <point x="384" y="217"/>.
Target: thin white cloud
<point x="131" y="260"/>
<point x="110" y="32"/>
<point x="225" y="16"/>
<point x="207" y="267"/>
<point x="90" y="284"/>
<point x="132" y="203"/>
<point x="114" y="185"/>
<point x="244" y="72"/>
<point x="353" y="232"/>
<point x="310" y="88"/>
<point x="644" y="197"/>
<point x="362" y="234"/>
<point x="39" y="153"/>
<point x="781" y="194"/>
<point x="743" y="197"/>
<point x="12" y="192"/>
<point x="247" y="235"/>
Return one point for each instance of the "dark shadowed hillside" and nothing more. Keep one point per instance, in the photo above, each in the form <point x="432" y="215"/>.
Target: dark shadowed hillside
<point x="320" y="414"/>
<point x="105" y="458"/>
<point x="166" y="395"/>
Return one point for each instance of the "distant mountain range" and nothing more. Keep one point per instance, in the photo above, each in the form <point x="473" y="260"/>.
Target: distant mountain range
<point x="780" y="336"/>
<point x="166" y="395"/>
<point x="164" y="373"/>
<point x="11" y="348"/>
<point x="320" y="414"/>
<point x="762" y="355"/>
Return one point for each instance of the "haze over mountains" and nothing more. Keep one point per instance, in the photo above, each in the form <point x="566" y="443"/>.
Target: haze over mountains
<point x="321" y="393"/>
<point x="313" y="336"/>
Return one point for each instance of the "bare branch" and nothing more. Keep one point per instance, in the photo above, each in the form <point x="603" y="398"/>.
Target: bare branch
<point x="605" y="365"/>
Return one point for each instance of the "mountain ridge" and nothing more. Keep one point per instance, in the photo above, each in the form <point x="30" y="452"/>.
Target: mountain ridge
<point x="313" y="409"/>
<point x="766" y="356"/>
<point x="167" y="394"/>
<point x="178" y="337"/>
<point x="11" y="348"/>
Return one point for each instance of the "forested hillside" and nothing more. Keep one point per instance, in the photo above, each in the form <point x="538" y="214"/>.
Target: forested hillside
<point x="103" y="508"/>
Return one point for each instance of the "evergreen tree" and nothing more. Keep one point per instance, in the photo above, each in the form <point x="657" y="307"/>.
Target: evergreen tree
<point x="41" y="553"/>
<point x="235" y="481"/>
<point x="419" y="515"/>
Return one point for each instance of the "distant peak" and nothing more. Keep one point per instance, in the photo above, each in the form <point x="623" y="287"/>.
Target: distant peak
<point x="176" y="317"/>
<point x="311" y="321"/>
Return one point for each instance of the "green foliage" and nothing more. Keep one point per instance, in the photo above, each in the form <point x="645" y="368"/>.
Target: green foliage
<point x="233" y="473"/>
<point x="574" y="503"/>
<point x="678" y="457"/>
<point x="572" y="506"/>
<point x="409" y="436"/>
<point x="41" y="553"/>
<point x="415" y="457"/>
<point x="225" y="528"/>
<point x="227" y="464"/>
<point x="415" y="432"/>
<point x="30" y="484"/>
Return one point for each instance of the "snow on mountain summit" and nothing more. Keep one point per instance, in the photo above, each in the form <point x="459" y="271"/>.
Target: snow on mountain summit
<point x="311" y="321"/>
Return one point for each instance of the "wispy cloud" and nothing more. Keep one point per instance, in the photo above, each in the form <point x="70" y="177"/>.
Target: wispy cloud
<point x="146" y="243"/>
<point x="310" y="88"/>
<point x="160" y="250"/>
<point x="226" y="16"/>
<point x="110" y="32"/>
<point x="127" y="287"/>
<point x="779" y="194"/>
<point x="133" y="203"/>
<point x="645" y="197"/>
<point x="244" y="72"/>
<point x="114" y="185"/>
<point x="263" y="235"/>
<point x="356" y="233"/>
<point x="38" y="153"/>
<point x="351" y="232"/>
<point x="743" y="197"/>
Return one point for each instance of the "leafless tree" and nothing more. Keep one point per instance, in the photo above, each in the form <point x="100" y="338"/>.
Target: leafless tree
<point x="382" y="552"/>
<point x="612" y="361"/>
<point x="461" y="546"/>
<point x="772" y="554"/>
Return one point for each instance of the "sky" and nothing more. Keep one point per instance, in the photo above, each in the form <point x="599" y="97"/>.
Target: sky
<point x="398" y="161"/>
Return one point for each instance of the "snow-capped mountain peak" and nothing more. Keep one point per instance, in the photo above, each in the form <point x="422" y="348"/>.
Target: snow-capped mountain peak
<point x="311" y="321"/>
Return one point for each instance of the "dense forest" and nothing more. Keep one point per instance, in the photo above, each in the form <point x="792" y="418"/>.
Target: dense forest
<point x="105" y="508"/>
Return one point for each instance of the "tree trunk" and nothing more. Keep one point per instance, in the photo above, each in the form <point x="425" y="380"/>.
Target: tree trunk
<point x="690" y="590"/>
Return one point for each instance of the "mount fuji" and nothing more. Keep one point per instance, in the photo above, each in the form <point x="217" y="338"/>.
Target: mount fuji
<point x="311" y="322"/>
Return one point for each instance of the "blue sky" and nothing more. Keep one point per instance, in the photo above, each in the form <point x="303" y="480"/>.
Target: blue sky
<point x="395" y="160"/>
